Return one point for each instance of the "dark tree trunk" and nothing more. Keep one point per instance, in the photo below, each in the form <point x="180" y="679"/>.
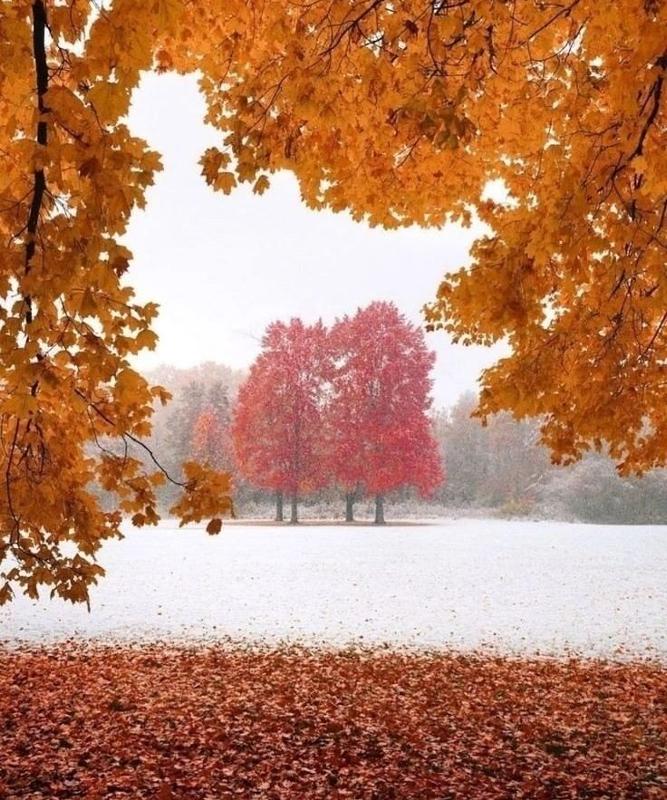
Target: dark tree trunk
<point x="294" y="517"/>
<point x="39" y="27"/>
<point x="349" y="507"/>
<point x="379" y="509"/>
<point x="279" y="507"/>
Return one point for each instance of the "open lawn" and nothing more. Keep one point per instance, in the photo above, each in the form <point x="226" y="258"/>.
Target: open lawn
<point x="523" y="587"/>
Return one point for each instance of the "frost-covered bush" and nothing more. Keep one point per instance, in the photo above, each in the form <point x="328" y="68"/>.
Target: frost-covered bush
<point x="593" y="491"/>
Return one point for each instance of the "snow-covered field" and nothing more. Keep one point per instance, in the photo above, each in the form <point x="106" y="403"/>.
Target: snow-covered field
<point x="516" y="586"/>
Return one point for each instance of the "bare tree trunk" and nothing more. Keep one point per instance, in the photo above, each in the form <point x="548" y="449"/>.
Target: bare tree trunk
<point x="379" y="509"/>
<point x="294" y="517"/>
<point x="39" y="28"/>
<point x="279" y="507"/>
<point x="349" y="507"/>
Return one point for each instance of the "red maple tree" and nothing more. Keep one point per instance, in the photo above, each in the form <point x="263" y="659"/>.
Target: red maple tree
<point x="277" y="430"/>
<point x="378" y="423"/>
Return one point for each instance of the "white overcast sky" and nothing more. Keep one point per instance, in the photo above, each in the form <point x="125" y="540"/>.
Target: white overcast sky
<point x="223" y="267"/>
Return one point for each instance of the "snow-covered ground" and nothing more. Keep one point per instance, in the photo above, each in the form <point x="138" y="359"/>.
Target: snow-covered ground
<point x="516" y="586"/>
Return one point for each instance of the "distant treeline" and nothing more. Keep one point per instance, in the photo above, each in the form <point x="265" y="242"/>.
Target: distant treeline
<point x="503" y="467"/>
<point x="500" y="469"/>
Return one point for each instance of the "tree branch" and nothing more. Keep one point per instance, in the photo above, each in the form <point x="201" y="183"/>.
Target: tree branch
<point x="39" y="186"/>
<point x="126" y="436"/>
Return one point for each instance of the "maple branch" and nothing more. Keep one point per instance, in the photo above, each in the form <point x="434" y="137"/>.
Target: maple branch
<point x="656" y="333"/>
<point x="40" y="25"/>
<point x="562" y="12"/>
<point x="125" y="435"/>
<point x="39" y="188"/>
<point x="8" y="485"/>
<point x="348" y="25"/>
<point x="656" y="93"/>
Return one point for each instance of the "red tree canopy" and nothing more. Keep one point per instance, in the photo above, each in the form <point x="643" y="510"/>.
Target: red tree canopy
<point x="380" y="432"/>
<point x="277" y="432"/>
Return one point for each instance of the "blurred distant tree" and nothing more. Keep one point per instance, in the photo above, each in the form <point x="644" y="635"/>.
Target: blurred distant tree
<point x="187" y="405"/>
<point x="190" y="402"/>
<point x="379" y="429"/>
<point x="498" y="464"/>
<point x="211" y="438"/>
<point x="277" y="429"/>
<point x="503" y="465"/>
<point x="464" y="447"/>
<point x="593" y="491"/>
<point x="516" y="462"/>
<point x="219" y="401"/>
<point x="177" y="442"/>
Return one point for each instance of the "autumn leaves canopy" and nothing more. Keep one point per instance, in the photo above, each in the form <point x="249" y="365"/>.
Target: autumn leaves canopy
<point x="401" y="113"/>
<point x="346" y="407"/>
<point x="422" y="111"/>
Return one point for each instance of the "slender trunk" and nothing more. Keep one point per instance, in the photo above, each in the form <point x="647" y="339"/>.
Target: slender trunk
<point x="279" y="507"/>
<point x="39" y="26"/>
<point x="379" y="509"/>
<point x="39" y="185"/>
<point x="294" y="516"/>
<point x="349" y="507"/>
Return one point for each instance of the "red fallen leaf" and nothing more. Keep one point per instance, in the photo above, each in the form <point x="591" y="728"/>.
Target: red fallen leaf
<point x="214" y="526"/>
<point x="288" y="724"/>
